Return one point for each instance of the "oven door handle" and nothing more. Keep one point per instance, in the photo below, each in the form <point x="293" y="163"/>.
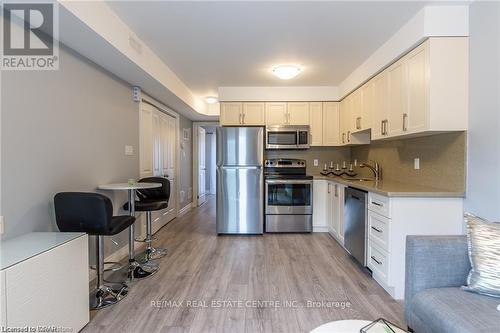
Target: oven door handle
<point x="288" y="181"/>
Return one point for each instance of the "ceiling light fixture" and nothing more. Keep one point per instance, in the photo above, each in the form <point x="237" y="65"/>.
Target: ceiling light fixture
<point x="211" y="99"/>
<point x="286" y="72"/>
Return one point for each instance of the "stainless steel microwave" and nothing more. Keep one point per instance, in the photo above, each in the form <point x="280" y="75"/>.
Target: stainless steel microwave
<point x="287" y="137"/>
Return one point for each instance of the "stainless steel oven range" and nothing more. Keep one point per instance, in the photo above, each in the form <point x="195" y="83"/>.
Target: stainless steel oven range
<point x="288" y="196"/>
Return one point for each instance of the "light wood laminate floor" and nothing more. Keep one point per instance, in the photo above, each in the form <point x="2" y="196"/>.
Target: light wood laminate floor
<point x="291" y="269"/>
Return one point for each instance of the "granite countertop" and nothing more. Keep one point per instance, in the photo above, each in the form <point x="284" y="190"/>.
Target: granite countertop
<point x="393" y="188"/>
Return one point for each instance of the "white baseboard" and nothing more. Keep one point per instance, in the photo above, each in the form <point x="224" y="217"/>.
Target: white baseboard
<point x="320" y="229"/>
<point x="185" y="209"/>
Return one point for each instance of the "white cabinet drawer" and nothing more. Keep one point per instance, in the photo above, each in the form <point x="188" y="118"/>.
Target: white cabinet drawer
<point x="379" y="230"/>
<point x="378" y="261"/>
<point x="379" y="204"/>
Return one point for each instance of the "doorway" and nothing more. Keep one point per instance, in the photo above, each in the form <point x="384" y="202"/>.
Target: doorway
<point x="204" y="161"/>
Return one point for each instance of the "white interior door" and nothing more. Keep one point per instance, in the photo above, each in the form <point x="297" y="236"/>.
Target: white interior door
<point x="146" y="140"/>
<point x="168" y="143"/>
<point x="202" y="166"/>
<point x="213" y="169"/>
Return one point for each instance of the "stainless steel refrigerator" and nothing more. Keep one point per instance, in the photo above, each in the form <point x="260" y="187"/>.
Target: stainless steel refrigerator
<point x="240" y="180"/>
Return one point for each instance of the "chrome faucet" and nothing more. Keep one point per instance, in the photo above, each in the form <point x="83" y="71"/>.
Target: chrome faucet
<point x="377" y="171"/>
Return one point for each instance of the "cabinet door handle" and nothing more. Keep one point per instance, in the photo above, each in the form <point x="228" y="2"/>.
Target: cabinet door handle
<point x="405" y="117"/>
<point x="382" y="127"/>
<point x="348" y="136"/>
<point x="328" y="187"/>
<point x="240" y="119"/>
<point x="375" y="259"/>
<point x="358" y="123"/>
<point x="336" y="190"/>
<point x="386" y="125"/>
<point x="377" y="230"/>
<point x="377" y="204"/>
<point x="243" y="118"/>
<point x="343" y="137"/>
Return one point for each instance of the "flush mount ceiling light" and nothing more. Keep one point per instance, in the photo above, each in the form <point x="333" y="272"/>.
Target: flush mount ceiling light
<point x="211" y="99"/>
<point x="286" y="72"/>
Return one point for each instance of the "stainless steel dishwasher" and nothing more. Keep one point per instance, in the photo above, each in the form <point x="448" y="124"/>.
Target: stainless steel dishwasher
<point x="355" y="212"/>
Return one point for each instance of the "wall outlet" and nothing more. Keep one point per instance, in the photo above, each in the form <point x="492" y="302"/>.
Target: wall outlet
<point x="316" y="162"/>
<point x="1" y="225"/>
<point x="129" y="150"/>
<point x="416" y="163"/>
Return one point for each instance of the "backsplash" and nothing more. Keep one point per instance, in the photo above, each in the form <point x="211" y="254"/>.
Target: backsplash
<point x="442" y="160"/>
<point x="323" y="154"/>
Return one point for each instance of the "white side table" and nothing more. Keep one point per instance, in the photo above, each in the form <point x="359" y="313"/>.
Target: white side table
<point x="44" y="281"/>
<point x="135" y="270"/>
<point x="341" y="326"/>
<point x="352" y="326"/>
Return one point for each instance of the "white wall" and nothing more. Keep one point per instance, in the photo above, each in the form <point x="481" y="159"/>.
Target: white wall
<point x="483" y="176"/>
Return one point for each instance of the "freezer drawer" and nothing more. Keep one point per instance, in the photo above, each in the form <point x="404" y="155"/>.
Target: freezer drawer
<point x="240" y="204"/>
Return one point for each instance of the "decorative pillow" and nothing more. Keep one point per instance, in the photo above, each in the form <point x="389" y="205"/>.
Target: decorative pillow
<point x="483" y="240"/>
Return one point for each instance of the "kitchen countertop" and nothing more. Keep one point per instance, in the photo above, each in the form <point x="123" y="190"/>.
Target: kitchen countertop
<point x="393" y="188"/>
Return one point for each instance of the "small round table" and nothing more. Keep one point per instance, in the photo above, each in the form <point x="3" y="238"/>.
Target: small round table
<point x="341" y="326"/>
<point x="135" y="270"/>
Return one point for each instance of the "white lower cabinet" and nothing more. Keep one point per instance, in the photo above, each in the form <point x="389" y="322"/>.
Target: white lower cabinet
<point x="44" y="282"/>
<point x="391" y="219"/>
<point x="328" y="208"/>
<point x="320" y="205"/>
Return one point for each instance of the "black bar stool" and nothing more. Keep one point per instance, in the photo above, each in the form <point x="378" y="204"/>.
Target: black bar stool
<point x="92" y="213"/>
<point x="151" y="200"/>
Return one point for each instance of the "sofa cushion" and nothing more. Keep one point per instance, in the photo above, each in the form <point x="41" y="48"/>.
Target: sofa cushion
<point x="456" y="311"/>
<point x="484" y="253"/>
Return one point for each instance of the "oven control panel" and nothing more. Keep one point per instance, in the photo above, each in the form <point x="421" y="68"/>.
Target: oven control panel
<point x="285" y="163"/>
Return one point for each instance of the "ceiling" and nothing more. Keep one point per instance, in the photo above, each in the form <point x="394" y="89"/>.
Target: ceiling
<point x="213" y="44"/>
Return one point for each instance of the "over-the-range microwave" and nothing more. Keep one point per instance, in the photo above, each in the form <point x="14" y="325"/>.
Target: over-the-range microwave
<point x="287" y="137"/>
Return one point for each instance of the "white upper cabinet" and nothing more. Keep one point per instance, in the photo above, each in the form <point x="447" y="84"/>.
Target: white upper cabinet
<point x="397" y="98"/>
<point x="298" y="113"/>
<point x="331" y="124"/>
<point x="242" y="114"/>
<point x="276" y="114"/>
<point x="424" y="92"/>
<point x="380" y="105"/>
<point x="253" y="114"/>
<point x="231" y="114"/>
<point x="295" y="113"/>
<point x="316" y="123"/>
<point x="367" y="107"/>
<point x="345" y="120"/>
<point x="415" y="118"/>
<point x="357" y="111"/>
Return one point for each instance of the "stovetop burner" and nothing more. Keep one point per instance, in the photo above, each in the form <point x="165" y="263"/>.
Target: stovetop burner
<point x="285" y="168"/>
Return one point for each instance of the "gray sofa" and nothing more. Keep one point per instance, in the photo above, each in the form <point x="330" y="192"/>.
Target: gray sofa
<point x="436" y="267"/>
